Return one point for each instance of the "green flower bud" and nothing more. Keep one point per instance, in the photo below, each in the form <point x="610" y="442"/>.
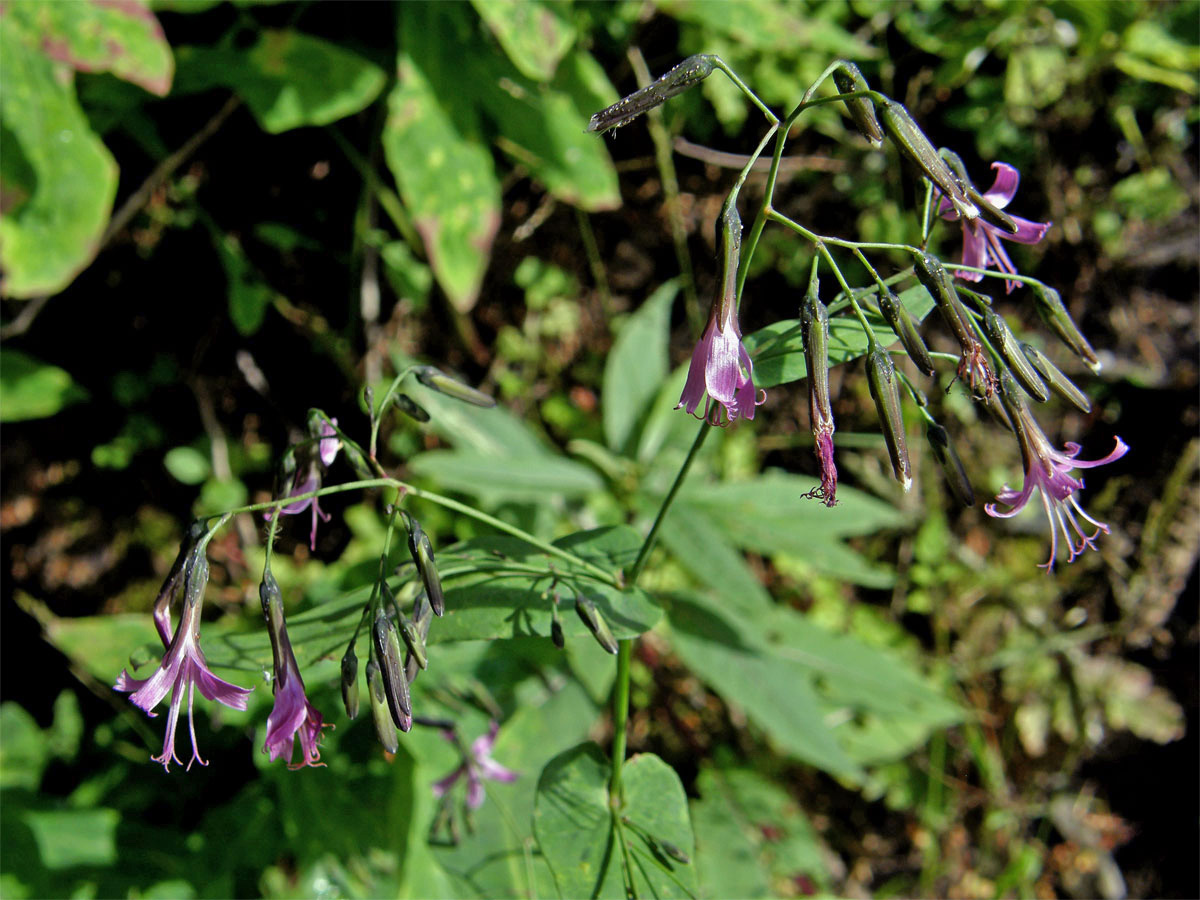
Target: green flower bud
<point x="674" y="852"/>
<point x="422" y="553"/>
<point x="437" y="380"/>
<point x="885" y="391"/>
<point x="1059" y="383"/>
<point x="556" y="629"/>
<point x="973" y="366"/>
<point x="1006" y="345"/>
<point x="911" y="141"/>
<point x="422" y="615"/>
<point x="387" y="650"/>
<point x="595" y="623"/>
<point x="410" y="407"/>
<point x="688" y="73"/>
<point x="848" y="79"/>
<point x="1050" y="307"/>
<point x="414" y="642"/>
<point x="952" y="467"/>
<point x="350" y="683"/>
<point x="902" y="324"/>
<point x="381" y="713"/>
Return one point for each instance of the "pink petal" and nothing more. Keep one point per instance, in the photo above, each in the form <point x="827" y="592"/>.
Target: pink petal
<point x="721" y="373"/>
<point x="1004" y="188"/>
<point x="1027" y="232"/>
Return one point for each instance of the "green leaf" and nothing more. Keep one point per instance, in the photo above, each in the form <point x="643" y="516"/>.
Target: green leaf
<point x="637" y="365"/>
<point x="30" y="389"/>
<point x="441" y="164"/>
<point x="751" y="836"/>
<point x="288" y="79"/>
<point x="24" y="750"/>
<point x="656" y="806"/>
<point x="187" y="464"/>
<point x="775" y="694"/>
<point x="248" y="295"/>
<point x="65" y="179"/>
<point x="573" y="824"/>
<point x="778" y="349"/>
<point x="75" y="837"/>
<point x="92" y="36"/>
<point x="506" y="478"/>
<point x="533" y="34"/>
<point x="695" y="537"/>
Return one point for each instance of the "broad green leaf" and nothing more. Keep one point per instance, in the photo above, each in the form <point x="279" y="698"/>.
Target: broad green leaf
<point x="24" y="751"/>
<point x="697" y="540"/>
<point x="75" y="837"/>
<point x="533" y="34"/>
<point x="778" y="349"/>
<point x="656" y="808"/>
<point x="775" y="694"/>
<point x="573" y="824"/>
<point x="751" y="837"/>
<point x="58" y="178"/>
<point x="288" y="79"/>
<point x="636" y="365"/>
<point x="93" y="36"/>
<point x="506" y="478"/>
<point x="441" y="163"/>
<point x="30" y="389"/>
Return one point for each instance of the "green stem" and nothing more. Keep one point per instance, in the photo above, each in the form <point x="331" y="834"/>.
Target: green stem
<point x="620" y="720"/>
<point x="750" y="95"/>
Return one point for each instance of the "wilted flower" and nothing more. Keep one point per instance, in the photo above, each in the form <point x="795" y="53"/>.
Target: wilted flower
<point x="308" y="479"/>
<point x="1049" y="471"/>
<point x="292" y="713"/>
<point x="183" y="669"/>
<point x="477" y="765"/>
<point x="981" y="240"/>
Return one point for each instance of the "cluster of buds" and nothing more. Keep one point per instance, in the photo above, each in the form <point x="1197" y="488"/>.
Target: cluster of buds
<point x="997" y="368"/>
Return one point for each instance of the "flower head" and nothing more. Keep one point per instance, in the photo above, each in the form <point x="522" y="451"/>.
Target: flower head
<point x="292" y="713"/>
<point x="476" y="766"/>
<point x="722" y="368"/>
<point x="981" y="240"/>
<point x="1048" y="470"/>
<point x="307" y="478"/>
<point x="183" y="669"/>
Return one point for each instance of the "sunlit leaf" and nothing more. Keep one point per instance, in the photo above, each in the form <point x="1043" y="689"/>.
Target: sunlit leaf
<point x="30" y="389"/>
<point x="535" y="35"/>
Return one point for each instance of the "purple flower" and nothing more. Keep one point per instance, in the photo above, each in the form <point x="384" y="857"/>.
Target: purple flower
<point x="477" y="765"/>
<point x="981" y="240"/>
<point x="1049" y="472"/>
<point x="308" y="479"/>
<point x="722" y="367"/>
<point x="292" y="715"/>
<point x="182" y="670"/>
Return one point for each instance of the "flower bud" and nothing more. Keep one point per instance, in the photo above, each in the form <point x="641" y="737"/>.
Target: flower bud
<point x="437" y="380"/>
<point x="595" y="623"/>
<point x="848" y="79"/>
<point x="1050" y="307"/>
<point x="912" y="142"/>
<point x="410" y="407"/>
<point x="690" y="72"/>
<point x="387" y="649"/>
<point x="674" y="852"/>
<point x="556" y="629"/>
<point x="973" y="365"/>
<point x="885" y="391"/>
<point x="385" y="728"/>
<point x="422" y="615"/>
<point x="414" y="642"/>
<point x="350" y="683"/>
<point x="898" y="318"/>
<point x="1002" y="339"/>
<point x="422" y="554"/>
<point x="952" y="467"/>
<point x="1059" y="383"/>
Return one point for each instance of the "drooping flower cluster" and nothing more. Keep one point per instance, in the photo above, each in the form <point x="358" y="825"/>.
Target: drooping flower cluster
<point x="183" y="668"/>
<point x="307" y="478"/>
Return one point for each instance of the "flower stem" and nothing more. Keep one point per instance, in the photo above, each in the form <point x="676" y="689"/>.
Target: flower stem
<point x="620" y="720"/>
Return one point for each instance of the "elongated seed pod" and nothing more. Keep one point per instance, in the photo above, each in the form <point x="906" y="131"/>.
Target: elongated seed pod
<point x="422" y="554"/>
<point x="1007" y="346"/>
<point x="687" y="74"/>
<point x="437" y="380"/>
<point x="387" y="649"/>
<point x="849" y="79"/>
<point x="952" y="467"/>
<point x="1050" y="307"/>
<point x="885" y="391"/>
<point x="902" y="324"/>
<point x="912" y="142"/>
<point x="1059" y="383"/>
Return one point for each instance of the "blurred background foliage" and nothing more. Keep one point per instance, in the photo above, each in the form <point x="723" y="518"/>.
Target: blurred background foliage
<point x="214" y="216"/>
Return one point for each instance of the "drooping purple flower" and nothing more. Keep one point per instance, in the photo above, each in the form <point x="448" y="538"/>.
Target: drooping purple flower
<point x="308" y="479"/>
<point x="1048" y="471"/>
<point x="476" y="766"/>
<point x="722" y="368"/>
<point x="292" y="714"/>
<point x="182" y="670"/>
<point x="981" y="240"/>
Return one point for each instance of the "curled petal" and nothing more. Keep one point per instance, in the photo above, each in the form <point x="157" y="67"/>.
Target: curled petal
<point x="1004" y="188"/>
